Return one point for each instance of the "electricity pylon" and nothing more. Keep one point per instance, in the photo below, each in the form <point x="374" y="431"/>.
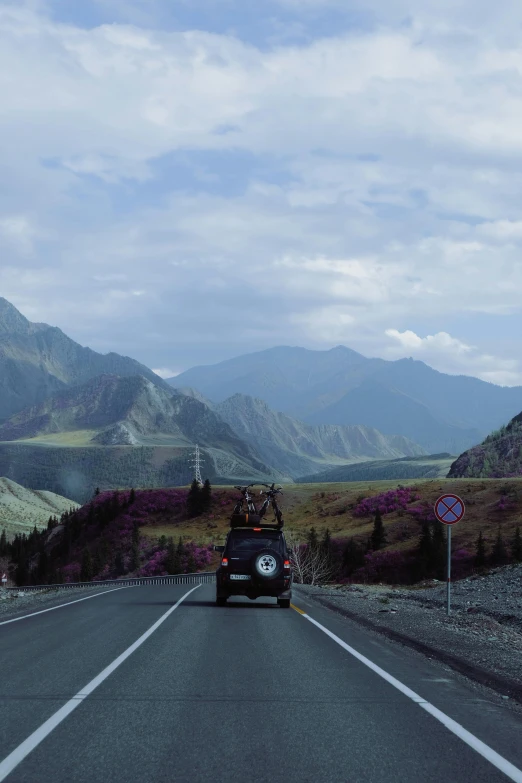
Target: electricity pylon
<point x="196" y="465"/>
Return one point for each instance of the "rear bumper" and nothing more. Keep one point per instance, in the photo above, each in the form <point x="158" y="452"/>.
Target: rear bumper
<point x="278" y="588"/>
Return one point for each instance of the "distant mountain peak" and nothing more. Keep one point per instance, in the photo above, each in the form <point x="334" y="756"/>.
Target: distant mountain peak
<point x="11" y="320"/>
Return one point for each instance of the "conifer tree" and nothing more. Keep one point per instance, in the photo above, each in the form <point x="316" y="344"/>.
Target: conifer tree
<point x="516" y="546"/>
<point x="378" y="536"/>
<point x="313" y="539"/>
<point x="22" y="571"/>
<point x="206" y="496"/>
<point x="424" y="553"/>
<point x="326" y="542"/>
<point x="135" y="557"/>
<point x="66" y="542"/>
<point x="86" y="569"/>
<point x="439" y="550"/>
<point x="132" y="496"/>
<point x="173" y="560"/>
<point x="119" y="564"/>
<point x="353" y="557"/>
<point x="3" y="544"/>
<point x="90" y="514"/>
<point x="96" y="562"/>
<point x="42" y="569"/>
<point x="499" y="555"/>
<point x="480" y="552"/>
<point x="194" y="506"/>
<point x="191" y="564"/>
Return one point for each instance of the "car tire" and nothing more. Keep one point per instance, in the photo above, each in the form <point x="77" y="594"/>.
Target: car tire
<point x="265" y="565"/>
<point x="221" y="600"/>
<point x="284" y="603"/>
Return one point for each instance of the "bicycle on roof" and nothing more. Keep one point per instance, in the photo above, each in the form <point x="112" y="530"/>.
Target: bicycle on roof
<point x="245" y="500"/>
<point x="270" y="500"/>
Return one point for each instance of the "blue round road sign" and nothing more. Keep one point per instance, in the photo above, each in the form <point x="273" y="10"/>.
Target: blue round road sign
<point x="449" y="509"/>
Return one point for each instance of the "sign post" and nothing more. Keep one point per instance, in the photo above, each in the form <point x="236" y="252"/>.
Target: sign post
<point x="4" y="580"/>
<point x="449" y="509"/>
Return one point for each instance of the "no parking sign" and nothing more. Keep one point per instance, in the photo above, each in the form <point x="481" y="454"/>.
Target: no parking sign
<point x="449" y="509"/>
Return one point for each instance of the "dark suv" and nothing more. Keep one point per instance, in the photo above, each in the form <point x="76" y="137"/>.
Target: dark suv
<point x="255" y="563"/>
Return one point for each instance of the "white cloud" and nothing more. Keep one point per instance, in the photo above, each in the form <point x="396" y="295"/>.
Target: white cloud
<point x="450" y="355"/>
<point x="502" y="230"/>
<point x="389" y="190"/>
<point x="18" y="232"/>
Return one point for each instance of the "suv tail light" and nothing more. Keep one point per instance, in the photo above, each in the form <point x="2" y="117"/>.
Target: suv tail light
<point x="257" y="529"/>
<point x="287" y="565"/>
<point x="224" y="561"/>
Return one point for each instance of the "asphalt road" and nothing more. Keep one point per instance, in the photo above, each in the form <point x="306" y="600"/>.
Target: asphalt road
<point x="246" y="692"/>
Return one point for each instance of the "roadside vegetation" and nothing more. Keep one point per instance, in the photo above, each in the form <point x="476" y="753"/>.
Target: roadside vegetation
<point x="366" y="533"/>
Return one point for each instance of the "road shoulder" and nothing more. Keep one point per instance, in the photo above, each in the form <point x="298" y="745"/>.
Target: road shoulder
<point x="473" y="644"/>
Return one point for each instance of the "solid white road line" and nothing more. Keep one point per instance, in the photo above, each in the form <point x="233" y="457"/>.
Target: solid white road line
<point x="52" y="608"/>
<point x="505" y="766"/>
<point x="23" y="750"/>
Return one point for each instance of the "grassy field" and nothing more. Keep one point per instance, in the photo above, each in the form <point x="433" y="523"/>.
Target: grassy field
<point x="328" y="506"/>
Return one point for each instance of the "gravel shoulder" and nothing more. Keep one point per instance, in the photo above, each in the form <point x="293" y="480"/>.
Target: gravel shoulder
<point x="16" y="603"/>
<point x="482" y="637"/>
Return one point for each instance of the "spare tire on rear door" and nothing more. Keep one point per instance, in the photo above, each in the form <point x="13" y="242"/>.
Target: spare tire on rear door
<point x="266" y="564"/>
<point x="244" y="520"/>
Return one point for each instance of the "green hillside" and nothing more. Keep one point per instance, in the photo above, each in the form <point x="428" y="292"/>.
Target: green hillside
<point x="431" y="466"/>
<point x="498" y="456"/>
<point x="77" y="472"/>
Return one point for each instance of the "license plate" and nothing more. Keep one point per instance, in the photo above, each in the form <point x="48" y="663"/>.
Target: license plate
<point x="239" y="576"/>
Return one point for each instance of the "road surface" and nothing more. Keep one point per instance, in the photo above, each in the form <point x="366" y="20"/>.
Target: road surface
<point x="133" y="686"/>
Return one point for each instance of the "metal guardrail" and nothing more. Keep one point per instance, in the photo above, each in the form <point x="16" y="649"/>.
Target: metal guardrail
<point x="205" y="577"/>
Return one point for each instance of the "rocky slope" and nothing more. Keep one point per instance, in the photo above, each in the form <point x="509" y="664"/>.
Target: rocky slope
<point x="297" y="448"/>
<point x="498" y="456"/>
<point x="37" y="360"/>
<point x="21" y="509"/>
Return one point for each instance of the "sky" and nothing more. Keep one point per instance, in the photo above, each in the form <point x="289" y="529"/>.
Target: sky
<point x="184" y="181"/>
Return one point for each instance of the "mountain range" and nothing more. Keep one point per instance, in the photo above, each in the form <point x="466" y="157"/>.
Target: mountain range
<point x="295" y="448"/>
<point x="57" y="394"/>
<point x="37" y="360"/>
<point x="110" y="410"/>
<point x="442" y="413"/>
<point x="277" y="415"/>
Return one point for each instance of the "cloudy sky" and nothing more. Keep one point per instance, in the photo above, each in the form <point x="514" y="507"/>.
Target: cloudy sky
<point x="183" y="181"/>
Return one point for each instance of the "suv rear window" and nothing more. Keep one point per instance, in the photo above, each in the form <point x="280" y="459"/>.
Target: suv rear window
<point x="253" y="543"/>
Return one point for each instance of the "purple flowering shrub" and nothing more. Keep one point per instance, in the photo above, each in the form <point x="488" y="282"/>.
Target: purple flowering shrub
<point x="461" y="563"/>
<point x="423" y="512"/>
<point x="385" y="566"/>
<point x="108" y="527"/>
<point x="71" y="572"/>
<point x="504" y="504"/>
<point x="387" y="502"/>
<point x="155" y="566"/>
